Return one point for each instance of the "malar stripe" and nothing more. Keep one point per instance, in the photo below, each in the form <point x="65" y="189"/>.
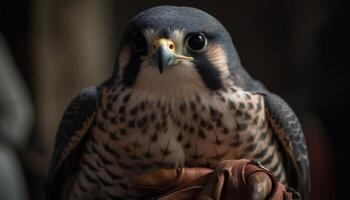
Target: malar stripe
<point x="209" y="74"/>
<point x="132" y="69"/>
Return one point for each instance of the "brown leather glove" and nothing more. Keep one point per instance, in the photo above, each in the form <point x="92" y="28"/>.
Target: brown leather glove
<point x="232" y="179"/>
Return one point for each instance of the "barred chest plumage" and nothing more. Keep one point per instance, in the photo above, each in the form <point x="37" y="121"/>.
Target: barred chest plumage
<point x="135" y="132"/>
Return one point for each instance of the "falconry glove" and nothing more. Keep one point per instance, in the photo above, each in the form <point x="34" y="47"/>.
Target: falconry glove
<point x="232" y="179"/>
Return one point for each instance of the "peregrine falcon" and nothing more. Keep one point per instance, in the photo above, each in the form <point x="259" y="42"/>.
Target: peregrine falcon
<point x="178" y="97"/>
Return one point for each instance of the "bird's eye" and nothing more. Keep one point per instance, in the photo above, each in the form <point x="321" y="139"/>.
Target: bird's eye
<point x="139" y="42"/>
<point x="196" y="41"/>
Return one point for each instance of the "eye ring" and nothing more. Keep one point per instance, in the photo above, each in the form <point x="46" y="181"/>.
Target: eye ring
<point x="139" y="42"/>
<point x="196" y="41"/>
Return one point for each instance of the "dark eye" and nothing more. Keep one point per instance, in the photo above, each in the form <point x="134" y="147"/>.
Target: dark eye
<point x="139" y="42"/>
<point x="196" y="41"/>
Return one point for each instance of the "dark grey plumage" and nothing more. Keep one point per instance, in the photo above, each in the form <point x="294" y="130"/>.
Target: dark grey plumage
<point x="290" y="134"/>
<point x="74" y="125"/>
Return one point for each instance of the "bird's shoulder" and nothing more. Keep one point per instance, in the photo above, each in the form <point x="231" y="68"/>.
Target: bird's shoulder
<point x="76" y="120"/>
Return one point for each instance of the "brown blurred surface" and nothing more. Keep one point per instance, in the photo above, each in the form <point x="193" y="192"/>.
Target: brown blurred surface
<point x="298" y="49"/>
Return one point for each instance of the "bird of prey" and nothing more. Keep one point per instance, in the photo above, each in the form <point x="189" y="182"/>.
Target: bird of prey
<point x="178" y="97"/>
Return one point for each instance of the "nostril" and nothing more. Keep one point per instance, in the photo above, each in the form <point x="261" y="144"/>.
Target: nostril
<point x="171" y="46"/>
<point x="154" y="47"/>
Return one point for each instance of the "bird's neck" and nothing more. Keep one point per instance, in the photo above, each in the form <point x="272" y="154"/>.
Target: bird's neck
<point x="175" y="82"/>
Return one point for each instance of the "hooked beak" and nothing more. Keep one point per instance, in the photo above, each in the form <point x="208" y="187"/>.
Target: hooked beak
<point x="163" y="54"/>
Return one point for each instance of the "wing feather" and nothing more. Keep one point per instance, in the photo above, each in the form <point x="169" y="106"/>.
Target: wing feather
<point x="287" y="128"/>
<point x="75" y="124"/>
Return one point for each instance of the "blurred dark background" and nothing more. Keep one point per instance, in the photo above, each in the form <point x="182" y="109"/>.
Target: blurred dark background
<point x="298" y="49"/>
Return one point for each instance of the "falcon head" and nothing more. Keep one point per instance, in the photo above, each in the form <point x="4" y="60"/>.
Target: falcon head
<point x="173" y="50"/>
